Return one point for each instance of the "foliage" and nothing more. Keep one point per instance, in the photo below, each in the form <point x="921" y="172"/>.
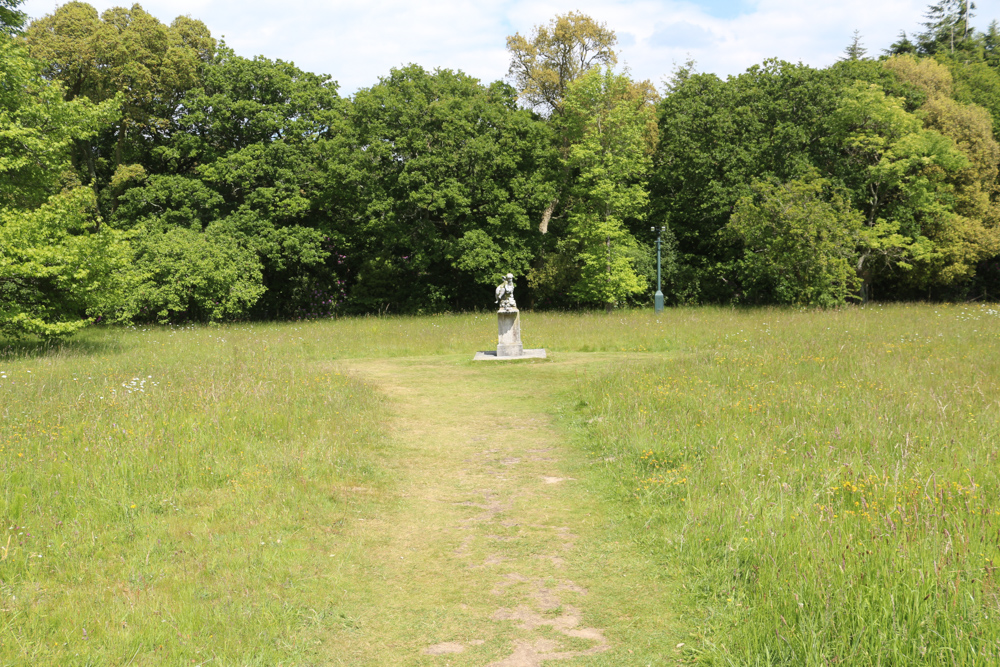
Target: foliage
<point x="420" y="191"/>
<point x="716" y="137"/>
<point x="856" y="49"/>
<point x="948" y="28"/>
<point x="125" y="50"/>
<point x="11" y="18"/>
<point x="963" y="221"/>
<point x="611" y="124"/>
<point x="124" y="54"/>
<point x="894" y="170"/>
<point x="543" y="66"/>
<point x="928" y="75"/>
<point x="800" y="240"/>
<point x="978" y="83"/>
<point x="55" y="259"/>
<point x="37" y="129"/>
<point x="249" y="150"/>
<point x="447" y="175"/>
<point x="54" y="266"/>
<point x="179" y="273"/>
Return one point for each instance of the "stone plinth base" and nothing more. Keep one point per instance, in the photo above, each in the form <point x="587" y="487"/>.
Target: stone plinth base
<point x="509" y="339"/>
<point x="510" y="350"/>
<point x="525" y="354"/>
<point x="509" y="333"/>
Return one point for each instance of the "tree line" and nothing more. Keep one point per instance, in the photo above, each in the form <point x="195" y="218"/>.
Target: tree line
<point x="150" y="174"/>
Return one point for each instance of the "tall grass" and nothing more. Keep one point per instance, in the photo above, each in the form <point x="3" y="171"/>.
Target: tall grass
<point x="829" y="481"/>
<point x="175" y="495"/>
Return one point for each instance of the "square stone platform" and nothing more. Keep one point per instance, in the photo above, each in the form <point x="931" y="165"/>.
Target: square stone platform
<point x="526" y="354"/>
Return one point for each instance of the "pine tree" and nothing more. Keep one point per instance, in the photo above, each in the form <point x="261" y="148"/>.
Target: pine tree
<point x="991" y="44"/>
<point x="901" y="45"/>
<point x="855" y="50"/>
<point x="947" y="26"/>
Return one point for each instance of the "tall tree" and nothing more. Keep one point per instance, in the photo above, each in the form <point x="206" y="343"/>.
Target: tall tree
<point x="967" y="228"/>
<point x="243" y="170"/>
<point x="127" y="53"/>
<point x="447" y="175"/>
<point x="717" y="137"/>
<point x="902" y="178"/>
<point x="543" y="65"/>
<point x="55" y="258"/>
<point x="611" y="122"/>
<point x="948" y="26"/>
<point x="991" y="45"/>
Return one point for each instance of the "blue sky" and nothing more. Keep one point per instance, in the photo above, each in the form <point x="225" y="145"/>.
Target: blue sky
<point x="357" y="41"/>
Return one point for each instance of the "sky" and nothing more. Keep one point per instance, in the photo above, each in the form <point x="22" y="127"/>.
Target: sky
<point x="357" y="41"/>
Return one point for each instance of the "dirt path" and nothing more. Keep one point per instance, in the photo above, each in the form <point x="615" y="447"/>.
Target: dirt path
<point x="485" y="559"/>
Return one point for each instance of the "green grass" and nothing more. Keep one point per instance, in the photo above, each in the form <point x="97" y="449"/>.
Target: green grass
<point x="827" y="481"/>
<point x="174" y="496"/>
<point x="824" y="485"/>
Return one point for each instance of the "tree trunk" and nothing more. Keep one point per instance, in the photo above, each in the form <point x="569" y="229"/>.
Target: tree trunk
<point x="865" y="274"/>
<point x="543" y="226"/>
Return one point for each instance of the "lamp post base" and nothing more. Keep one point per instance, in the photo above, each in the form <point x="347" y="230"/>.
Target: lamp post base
<point x="658" y="301"/>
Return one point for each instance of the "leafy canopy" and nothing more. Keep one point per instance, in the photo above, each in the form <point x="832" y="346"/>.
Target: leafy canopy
<point x="612" y="124"/>
<point x="544" y="64"/>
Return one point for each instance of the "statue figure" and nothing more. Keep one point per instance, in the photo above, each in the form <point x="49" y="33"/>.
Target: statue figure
<point x="505" y="294"/>
<point x="509" y="345"/>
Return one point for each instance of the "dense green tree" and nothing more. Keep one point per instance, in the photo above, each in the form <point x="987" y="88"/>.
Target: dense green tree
<point x="966" y="227"/>
<point x="55" y="258"/>
<point x="902" y="177"/>
<point x="127" y="53"/>
<point x="991" y="45"/>
<point x="717" y="137"/>
<point x="55" y="269"/>
<point x="801" y="240"/>
<point x="250" y="188"/>
<point x="447" y="176"/>
<point x="611" y="123"/>
<point x="978" y="83"/>
<point x="249" y="149"/>
<point x="543" y="67"/>
<point x="775" y="123"/>
<point x="179" y="273"/>
<point x="37" y="130"/>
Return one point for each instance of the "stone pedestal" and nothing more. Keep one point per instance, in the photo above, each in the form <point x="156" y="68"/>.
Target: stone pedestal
<point x="509" y="333"/>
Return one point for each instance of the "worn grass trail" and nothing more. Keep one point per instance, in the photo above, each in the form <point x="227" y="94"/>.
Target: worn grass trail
<point x="497" y="550"/>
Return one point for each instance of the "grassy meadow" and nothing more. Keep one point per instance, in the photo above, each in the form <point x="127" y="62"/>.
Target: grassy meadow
<point x="172" y="496"/>
<point x="828" y="481"/>
<point x="824" y="485"/>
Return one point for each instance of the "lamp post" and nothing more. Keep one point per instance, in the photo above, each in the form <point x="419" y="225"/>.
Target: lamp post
<point x="658" y="297"/>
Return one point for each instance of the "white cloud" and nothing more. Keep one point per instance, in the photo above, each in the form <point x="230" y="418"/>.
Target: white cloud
<point x="357" y="42"/>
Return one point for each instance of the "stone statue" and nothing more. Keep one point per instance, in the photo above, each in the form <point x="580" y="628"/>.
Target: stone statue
<point x="509" y="344"/>
<point x="505" y="294"/>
